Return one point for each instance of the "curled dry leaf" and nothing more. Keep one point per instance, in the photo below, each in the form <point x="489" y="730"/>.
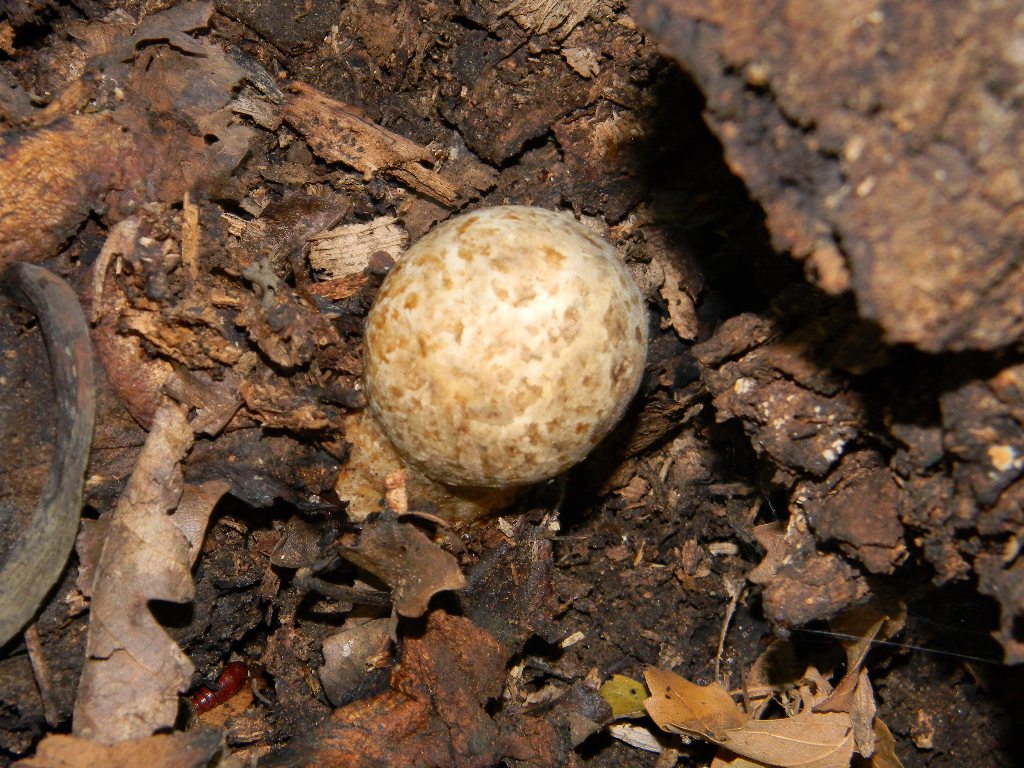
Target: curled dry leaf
<point x="858" y="628"/>
<point x="771" y="536"/>
<point x="885" y="748"/>
<point x="350" y="653"/>
<point x="807" y="740"/>
<point x="133" y="671"/>
<point x="407" y="561"/>
<point x="636" y="736"/>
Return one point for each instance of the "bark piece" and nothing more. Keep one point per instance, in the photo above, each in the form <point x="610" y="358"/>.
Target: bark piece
<point x="1005" y="582"/>
<point x="798" y="411"/>
<point x="858" y="506"/>
<point x="603" y="160"/>
<point x="291" y="25"/>
<point x="908" y="161"/>
<point x="192" y="749"/>
<point x="514" y="97"/>
<point x="337" y="133"/>
<point x="815" y="587"/>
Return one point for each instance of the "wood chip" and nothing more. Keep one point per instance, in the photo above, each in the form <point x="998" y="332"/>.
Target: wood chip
<point x="338" y="134"/>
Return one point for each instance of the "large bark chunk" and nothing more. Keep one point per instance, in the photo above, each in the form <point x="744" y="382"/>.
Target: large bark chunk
<point x="884" y="144"/>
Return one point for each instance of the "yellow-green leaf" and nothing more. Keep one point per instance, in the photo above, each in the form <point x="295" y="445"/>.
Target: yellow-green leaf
<point x="624" y="695"/>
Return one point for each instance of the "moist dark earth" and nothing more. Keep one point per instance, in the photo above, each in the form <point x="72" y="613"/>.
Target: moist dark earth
<point x="820" y="203"/>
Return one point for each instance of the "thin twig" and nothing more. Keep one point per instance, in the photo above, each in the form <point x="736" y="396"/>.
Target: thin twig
<point x="41" y="672"/>
<point x="735" y="591"/>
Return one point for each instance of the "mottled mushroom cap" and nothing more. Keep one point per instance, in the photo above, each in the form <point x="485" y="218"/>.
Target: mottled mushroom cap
<point x="504" y="346"/>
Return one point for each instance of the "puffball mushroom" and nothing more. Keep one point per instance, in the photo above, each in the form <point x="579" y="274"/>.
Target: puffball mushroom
<point x="501" y="349"/>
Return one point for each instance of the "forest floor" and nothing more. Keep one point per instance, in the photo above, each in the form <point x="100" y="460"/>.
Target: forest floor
<point x="830" y="418"/>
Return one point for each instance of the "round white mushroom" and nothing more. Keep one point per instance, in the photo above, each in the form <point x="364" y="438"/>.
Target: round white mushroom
<point x="503" y="347"/>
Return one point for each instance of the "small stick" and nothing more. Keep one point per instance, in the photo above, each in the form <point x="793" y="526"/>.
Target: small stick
<point x="734" y="598"/>
<point x="41" y="672"/>
<point x="305" y="579"/>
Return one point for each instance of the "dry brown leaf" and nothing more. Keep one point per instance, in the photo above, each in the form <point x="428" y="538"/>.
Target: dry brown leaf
<point x="679" y="706"/>
<point x="855" y="697"/>
<point x="858" y="627"/>
<point x="350" y="654"/>
<point x="807" y="740"/>
<point x="193" y="513"/>
<point x="726" y="759"/>
<point x="885" y="748"/>
<point x="862" y="715"/>
<point x="407" y="561"/>
<point x="213" y="403"/>
<point x="133" y="670"/>
<point x="192" y="749"/>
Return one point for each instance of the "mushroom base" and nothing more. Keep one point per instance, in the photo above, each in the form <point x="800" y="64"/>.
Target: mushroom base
<point x="373" y="457"/>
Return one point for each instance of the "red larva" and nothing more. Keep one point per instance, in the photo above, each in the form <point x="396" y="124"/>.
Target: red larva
<point x="230" y="682"/>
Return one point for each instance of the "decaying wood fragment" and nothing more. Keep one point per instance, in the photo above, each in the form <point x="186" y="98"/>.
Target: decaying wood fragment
<point x="192" y="749"/>
<point x="52" y="178"/>
<point x="338" y="134"/>
<point x="435" y="715"/>
<point x="543" y="16"/>
<point x="346" y="250"/>
<point x="85" y="153"/>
